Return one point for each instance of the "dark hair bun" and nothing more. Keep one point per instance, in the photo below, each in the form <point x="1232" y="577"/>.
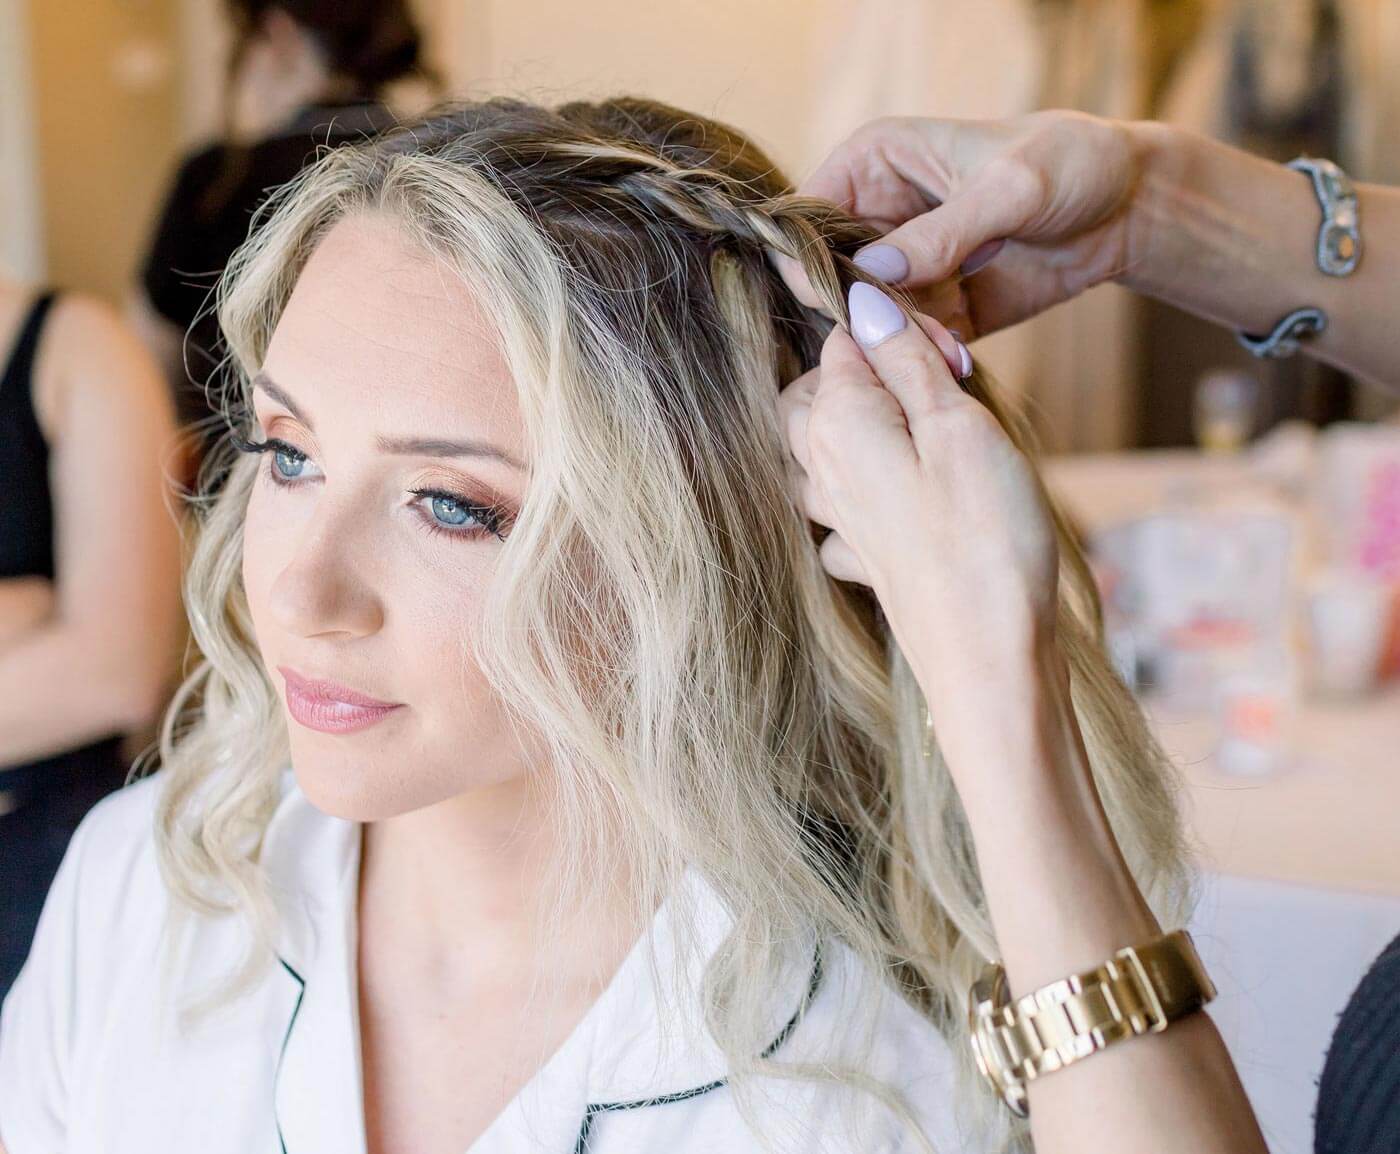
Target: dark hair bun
<point x="373" y="41"/>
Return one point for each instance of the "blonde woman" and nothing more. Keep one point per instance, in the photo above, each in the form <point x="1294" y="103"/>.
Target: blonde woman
<point x="559" y="777"/>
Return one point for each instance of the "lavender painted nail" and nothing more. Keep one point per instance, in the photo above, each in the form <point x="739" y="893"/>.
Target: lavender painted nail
<point x="966" y="358"/>
<point x="980" y="256"/>
<point x="883" y="261"/>
<point x="874" y="316"/>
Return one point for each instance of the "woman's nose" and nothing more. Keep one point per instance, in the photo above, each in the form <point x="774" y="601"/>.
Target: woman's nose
<point x="326" y="586"/>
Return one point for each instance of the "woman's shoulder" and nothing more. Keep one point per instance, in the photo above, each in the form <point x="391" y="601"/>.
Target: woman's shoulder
<point x="110" y="874"/>
<point x="108" y="907"/>
<point x="121" y="825"/>
<point x="91" y="362"/>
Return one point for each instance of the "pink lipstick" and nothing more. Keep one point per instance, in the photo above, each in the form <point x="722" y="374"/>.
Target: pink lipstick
<point x="329" y="707"/>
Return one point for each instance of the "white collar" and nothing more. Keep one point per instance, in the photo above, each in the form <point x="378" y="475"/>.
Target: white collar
<point x="635" y="1046"/>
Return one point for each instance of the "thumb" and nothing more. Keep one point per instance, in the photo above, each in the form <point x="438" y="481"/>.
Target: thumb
<point x="909" y="360"/>
<point x="974" y="222"/>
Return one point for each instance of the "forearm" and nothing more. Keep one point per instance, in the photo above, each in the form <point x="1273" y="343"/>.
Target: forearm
<point x="1061" y="900"/>
<point x="1232" y="237"/>
<point x="24" y="603"/>
<point x="60" y="688"/>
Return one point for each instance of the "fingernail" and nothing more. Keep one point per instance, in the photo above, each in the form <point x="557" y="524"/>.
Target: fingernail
<point x="966" y="358"/>
<point x="883" y="261"/>
<point x="874" y="316"/>
<point x="980" y="255"/>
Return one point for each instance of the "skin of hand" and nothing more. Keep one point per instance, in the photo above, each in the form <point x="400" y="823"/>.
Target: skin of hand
<point x="960" y="546"/>
<point x="932" y="506"/>
<point x="24" y="603"/>
<point x="1035" y="206"/>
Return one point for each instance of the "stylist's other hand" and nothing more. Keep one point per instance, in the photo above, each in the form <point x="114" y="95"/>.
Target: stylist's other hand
<point x="928" y="500"/>
<point x="1035" y="206"/>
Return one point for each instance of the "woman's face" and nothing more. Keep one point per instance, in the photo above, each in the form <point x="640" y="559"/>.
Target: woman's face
<point x="367" y="555"/>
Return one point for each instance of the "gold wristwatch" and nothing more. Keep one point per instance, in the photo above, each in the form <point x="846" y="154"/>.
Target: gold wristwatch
<point x="1139" y="990"/>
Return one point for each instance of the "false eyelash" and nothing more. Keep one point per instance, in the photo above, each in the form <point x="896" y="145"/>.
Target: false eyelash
<point x="245" y="446"/>
<point x="490" y="520"/>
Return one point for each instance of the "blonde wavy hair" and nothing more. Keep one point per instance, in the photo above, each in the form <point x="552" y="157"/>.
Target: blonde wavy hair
<point x="710" y="696"/>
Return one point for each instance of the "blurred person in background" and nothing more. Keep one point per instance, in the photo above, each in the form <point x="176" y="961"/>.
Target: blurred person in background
<point x="89" y="579"/>
<point x="990" y="222"/>
<point x="302" y="74"/>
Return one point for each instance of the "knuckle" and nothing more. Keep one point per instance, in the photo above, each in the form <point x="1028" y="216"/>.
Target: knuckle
<point x="832" y="418"/>
<point x="798" y="391"/>
<point x="937" y="246"/>
<point x="915" y="371"/>
<point x="970" y="423"/>
<point x="1020" y="179"/>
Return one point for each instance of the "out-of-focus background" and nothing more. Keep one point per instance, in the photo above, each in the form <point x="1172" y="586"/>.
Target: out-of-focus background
<point x="1243" y="515"/>
<point x="100" y="98"/>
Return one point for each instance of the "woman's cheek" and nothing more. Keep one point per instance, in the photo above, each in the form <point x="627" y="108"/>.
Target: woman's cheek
<point x="256" y="577"/>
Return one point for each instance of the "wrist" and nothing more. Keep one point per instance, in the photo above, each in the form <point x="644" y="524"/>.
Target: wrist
<point x="1219" y="232"/>
<point x="1161" y="154"/>
<point x="999" y="716"/>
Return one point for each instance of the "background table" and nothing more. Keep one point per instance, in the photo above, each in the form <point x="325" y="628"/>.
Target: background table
<point x="1333" y="818"/>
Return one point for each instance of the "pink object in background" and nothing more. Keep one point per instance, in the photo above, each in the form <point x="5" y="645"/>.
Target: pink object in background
<point x="1358" y="493"/>
<point x="1379" y="546"/>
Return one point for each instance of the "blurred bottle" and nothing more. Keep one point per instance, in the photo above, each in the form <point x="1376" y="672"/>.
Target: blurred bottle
<point x="1346" y="617"/>
<point x="1256" y="714"/>
<point x="1226" y="410"/>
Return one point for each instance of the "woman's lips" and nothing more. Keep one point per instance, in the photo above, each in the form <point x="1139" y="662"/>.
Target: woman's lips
<point x="330" y="707"/>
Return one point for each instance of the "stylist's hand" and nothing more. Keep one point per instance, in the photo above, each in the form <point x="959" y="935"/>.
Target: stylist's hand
<point x="1035" y="206"/>
<point x="930" y="503"/>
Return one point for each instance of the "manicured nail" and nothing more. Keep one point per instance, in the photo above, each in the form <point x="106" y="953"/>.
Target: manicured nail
<point x="883" y="261"/>
<point x="980" y="255"/>
<point x="966" y="358"/>
<point x="874" y="316"/>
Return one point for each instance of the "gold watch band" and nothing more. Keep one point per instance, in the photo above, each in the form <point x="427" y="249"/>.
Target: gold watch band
<point x="1139" y="990"/>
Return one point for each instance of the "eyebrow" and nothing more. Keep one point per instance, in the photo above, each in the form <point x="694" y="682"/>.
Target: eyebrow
<point x="409" y="446"/>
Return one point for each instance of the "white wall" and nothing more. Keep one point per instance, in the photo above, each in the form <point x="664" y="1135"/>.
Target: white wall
<point x="746" y="61"/>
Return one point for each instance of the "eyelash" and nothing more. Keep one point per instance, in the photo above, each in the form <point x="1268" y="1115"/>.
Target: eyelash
<point x="487" y="518"/>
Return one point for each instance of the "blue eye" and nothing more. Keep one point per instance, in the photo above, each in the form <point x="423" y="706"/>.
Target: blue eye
<point x="450" y="511"/>
<point x="458" y="516"/>
<point x="288" y="464"/>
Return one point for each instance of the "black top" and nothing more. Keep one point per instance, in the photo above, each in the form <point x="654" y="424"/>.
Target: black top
<point x="1358" y="1098"/>
<point x="26" y="504"/>
<point x="26" y="540"/>
<point x="207" y="215"/>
